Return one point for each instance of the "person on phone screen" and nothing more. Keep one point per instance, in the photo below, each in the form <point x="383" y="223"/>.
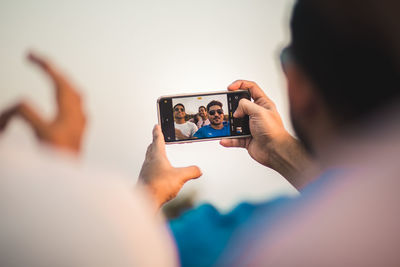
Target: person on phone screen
<point x="217" y="127"/>
<point x="204" y="117"/>
<point x="183" y="129"/>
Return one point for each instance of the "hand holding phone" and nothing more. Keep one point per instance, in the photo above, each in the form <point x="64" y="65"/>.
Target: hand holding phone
<point x="266" y="124"/>
<point x="202" y="116"/>
<point x="269" y="143"/>
<point x="158" y="176"/>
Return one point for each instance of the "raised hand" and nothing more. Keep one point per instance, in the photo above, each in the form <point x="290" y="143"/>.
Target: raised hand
<point x="157" y="174"/>
<point x="66" y="129"/>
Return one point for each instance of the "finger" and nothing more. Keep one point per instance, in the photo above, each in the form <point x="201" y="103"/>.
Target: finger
<point x="255" y="91"/>
<point x="45" y="65"/>
<point x="29" y="114"/>
<point x="6" y="116"/>
<point x="158" y="139"/>
<point x="239" y="142"/>
<point x="66" y="95"/>
<point x="188" y="173"/>
<point x="246" y="107"/>
<point x="148" y="151"/>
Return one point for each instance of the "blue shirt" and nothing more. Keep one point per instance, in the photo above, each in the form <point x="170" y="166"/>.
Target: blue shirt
<point x="202" y="234"/>
<point x="208" y="131"/>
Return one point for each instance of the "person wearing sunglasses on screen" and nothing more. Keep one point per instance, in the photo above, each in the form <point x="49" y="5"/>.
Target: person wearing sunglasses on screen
<point x="217" y="127"/>
<point x="183" y="129"/>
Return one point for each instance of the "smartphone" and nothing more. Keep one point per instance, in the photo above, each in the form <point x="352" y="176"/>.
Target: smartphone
<point x="202" y="116"/>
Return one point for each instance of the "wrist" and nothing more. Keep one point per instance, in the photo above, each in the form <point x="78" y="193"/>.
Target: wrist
<point x="152" y="193"/>
<point x="289" y="158"/>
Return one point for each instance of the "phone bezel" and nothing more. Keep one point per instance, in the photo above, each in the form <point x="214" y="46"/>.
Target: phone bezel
<point x="193" y="95"/>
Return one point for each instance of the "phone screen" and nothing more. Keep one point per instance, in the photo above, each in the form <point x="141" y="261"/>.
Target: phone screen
<point x="198" y="117"/>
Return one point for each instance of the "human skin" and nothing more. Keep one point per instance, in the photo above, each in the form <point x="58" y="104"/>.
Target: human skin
<point x="216" y="120"/>
<point x="158" y="176"/>
<point x="65" y="131"/>
<point x="270" y="145"/>
<point x="203" y="113"/>
<point x="179" y="116"/>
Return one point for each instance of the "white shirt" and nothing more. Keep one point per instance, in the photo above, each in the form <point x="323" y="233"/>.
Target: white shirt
<point x="188" y="128"/>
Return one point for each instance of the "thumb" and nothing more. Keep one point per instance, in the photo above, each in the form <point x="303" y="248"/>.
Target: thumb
<point x="188" y="173"/>
<point x="246" y="107"/>
<point x="239" y="142"/>
<point x="158" y="139"/>
<point x="6" y="116"/>
<point x="29" y="114"/>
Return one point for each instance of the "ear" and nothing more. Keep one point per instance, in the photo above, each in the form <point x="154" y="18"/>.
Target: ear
<point x="303" y="99"/>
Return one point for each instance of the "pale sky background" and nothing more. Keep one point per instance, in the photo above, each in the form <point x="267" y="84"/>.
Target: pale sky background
<point x="123" y="55"/>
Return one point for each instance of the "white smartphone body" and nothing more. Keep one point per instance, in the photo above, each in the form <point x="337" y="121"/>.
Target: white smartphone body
<point x="202" y="116"/>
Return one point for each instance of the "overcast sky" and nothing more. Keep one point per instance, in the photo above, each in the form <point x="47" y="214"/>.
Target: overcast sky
<point x="123" y="55"/>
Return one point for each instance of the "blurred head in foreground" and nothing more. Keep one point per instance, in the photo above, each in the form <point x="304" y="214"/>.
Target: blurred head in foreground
<point x="342" y="66"/>
<point x="343" y="72"/>
<point x="55" y="212"/>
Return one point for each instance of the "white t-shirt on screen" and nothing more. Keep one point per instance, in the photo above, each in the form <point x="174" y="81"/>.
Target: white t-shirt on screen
<point x="188" y="128"/>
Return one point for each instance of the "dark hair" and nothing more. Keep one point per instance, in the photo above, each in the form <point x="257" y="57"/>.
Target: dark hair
<point x="179" y="104"/>
<point x="202" y="107"/>
<point x="213" y="103"/>
<point x="195" y="119"/>
<point x="350" y="51"/>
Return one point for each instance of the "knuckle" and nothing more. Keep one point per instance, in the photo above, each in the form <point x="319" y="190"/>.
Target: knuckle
<point x="252" y="83"/>
<point x="148" y="150"/>
<point x="23" y="104"/>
